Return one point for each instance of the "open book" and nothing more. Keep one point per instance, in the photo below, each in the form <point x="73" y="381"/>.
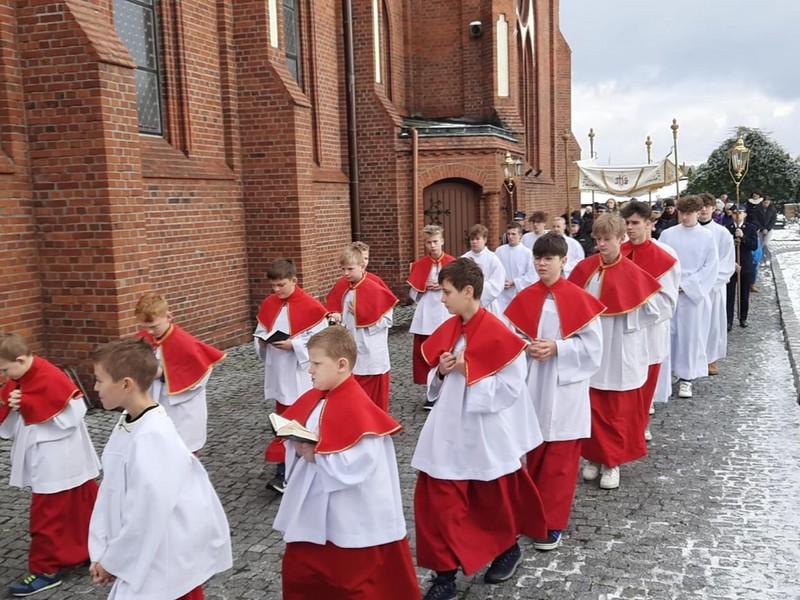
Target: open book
<point x="277" y="336"/>
<point x="291" y="430"/>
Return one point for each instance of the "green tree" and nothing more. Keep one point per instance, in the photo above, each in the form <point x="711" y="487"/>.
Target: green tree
<point x="772" y="170"/>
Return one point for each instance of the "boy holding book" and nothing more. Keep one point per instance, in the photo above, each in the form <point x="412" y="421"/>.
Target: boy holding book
<point x="473" y="496"/>
<point x="42" y="410"/>
<point x="185" y="366"/>
<point x="158" y="529"/>
<point x="367" y="312"/>
<point x="286" y="319"/>
<point x="342" y="512"/>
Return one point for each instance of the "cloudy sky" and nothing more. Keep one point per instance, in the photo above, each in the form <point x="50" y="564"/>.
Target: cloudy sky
<point x="711" y="64"/>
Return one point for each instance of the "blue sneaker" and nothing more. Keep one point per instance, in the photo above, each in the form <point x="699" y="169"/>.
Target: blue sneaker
<point x="552" y="542"/>
<point x="35" y="583"/>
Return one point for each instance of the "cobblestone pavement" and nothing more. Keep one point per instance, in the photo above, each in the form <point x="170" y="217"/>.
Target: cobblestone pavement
<point x="711" y="513"/>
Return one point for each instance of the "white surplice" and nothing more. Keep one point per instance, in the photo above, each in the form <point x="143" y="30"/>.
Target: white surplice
<point x="480" y="431"/>
<point x="429" y="312"/>
<point x="559" y="386"/>
<point x="188" y="409"/>
<point x="717" y="345"/>
<point x="494" y="278"/>
<point x="157" y="525"/>
<point x="53" y="456"/>
<point x="286" y="376"/>
<point x="372" y="342"/>
<point x="518" y="264"/>
<point x="575" y="254"/>
<point x="697" y="253"/>
<point x="350" y="498"/>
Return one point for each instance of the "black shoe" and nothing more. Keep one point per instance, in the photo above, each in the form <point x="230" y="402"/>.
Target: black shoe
<point x="428" y="404"/>
<point x="443" y="588"/>
<point x="504" y="566"/>
<point x="277" y="483"/>
<point x="743" y="323"/>
<point x="729" y="327"/>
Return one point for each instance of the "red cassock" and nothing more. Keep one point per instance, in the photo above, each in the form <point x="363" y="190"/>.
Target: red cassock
<point x="618" y="421"/>
<point x="184" y="359"/>
<point x="329" y="571"/>
<point x="468" y="523"/>
<point x="59" y="522"/>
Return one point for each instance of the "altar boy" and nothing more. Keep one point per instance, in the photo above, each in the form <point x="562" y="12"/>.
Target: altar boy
<point x="158" y="529"/>
<point x="473" y="496"/>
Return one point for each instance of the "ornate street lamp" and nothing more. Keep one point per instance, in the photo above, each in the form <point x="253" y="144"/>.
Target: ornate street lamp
<point x="512" y="168"/>
<point x="738" y="163"/>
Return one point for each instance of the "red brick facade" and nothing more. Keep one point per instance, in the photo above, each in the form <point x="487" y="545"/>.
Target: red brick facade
<point x="252" y="165"/>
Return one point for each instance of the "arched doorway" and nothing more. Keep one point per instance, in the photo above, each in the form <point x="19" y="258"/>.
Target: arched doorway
<point x="455" y="205"/>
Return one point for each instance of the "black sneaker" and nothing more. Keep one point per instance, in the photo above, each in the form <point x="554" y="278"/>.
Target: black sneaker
<point x="443" y="588"/>
<point x="552" y="542"/>
<point x="743" y="323"/>
<point x="504" y="566"/>
<point x="277" y="483"/>
<point x="428" y="405"/>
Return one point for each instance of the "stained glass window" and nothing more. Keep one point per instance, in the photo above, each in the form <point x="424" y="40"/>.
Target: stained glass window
<point x="135" y="22"/>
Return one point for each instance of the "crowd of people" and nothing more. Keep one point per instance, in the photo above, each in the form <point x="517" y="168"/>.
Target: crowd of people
<point x="542" y="362"/>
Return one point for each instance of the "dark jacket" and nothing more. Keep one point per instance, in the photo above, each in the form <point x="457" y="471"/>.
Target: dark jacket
<point x="747" y="246"/>
<point x="763" y="217"/>
<point x="665" y="222"/>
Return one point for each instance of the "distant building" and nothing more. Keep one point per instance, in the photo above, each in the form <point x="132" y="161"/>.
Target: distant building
<point x="182" y="146"/>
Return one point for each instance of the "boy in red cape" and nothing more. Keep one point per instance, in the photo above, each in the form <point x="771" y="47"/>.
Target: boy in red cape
<point x="366" y="311"/>
<point x="565" y="342"/>
<point x="291" y="311"/>
<point x="473" y="496"/>
<point x="42" y="411"/>
<point x="427" y="293"/>
<point x="186" y="365"/>
<point x="342" y="511"/>
<point x="615" y="389"/>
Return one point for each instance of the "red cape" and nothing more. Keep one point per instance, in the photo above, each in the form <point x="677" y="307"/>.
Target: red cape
<point x="184" y="358"/>
<point x="373" y="299"/>
<point x="624" y="287"/>
<point x="418" y="276"/>
<point x="333" y="301"/>
<point x="490" y="344"/>
<point x="303" y="310"/>
<point x="576" y="307"/>
<point x="347" y="415"/>
<point x="648" y="256"/>
<point x="46" y="391"/>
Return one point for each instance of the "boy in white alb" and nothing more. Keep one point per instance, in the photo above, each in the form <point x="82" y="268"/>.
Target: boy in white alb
<point x="494" y="274"/>
<point x="42" y="410"/>
<point x="661" y="263"/>
<point x="426" y="292"/>
<point x="565" y="343"/>
<point x="699" y="260"/>
<point x="518" y="262"/>
<point x="342" y="513"/>
<point x="186" y="365"/>
<point x="158" y="529"/>
<point x="473" y="496"/>
<point x="717" y="344"/>
<point x="615" y="390"/>
<point x="367" y="307"/>
<point x="538" y="223"/>
<point x="297" y="315"/>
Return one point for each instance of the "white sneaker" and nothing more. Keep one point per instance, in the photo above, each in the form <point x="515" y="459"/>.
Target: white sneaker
<point x="685" y="389"/>
<point x="647" y="435"/>
<point x="652" y="408"/>
<point x="591" y="471"/>
<point x="610" y="478"/>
